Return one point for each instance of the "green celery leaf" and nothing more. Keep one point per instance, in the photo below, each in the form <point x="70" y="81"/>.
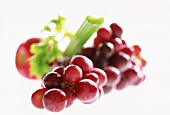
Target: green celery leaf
<point x="38" y="65"/>
<point x="38" y="48"/>
<point x="53" y="53"/>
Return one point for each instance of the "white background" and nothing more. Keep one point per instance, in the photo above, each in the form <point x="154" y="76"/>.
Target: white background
<point x="145" y="22"/>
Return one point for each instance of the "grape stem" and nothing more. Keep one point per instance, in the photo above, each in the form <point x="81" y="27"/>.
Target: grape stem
<point x="86" y="30"/>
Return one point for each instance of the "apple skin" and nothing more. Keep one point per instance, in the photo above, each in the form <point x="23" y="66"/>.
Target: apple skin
<point x="22" y="56"/>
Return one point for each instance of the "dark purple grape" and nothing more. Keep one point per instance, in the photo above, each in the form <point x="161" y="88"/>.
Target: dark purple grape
<point x="105" y="49"/>
<point x="113" y="75"/>
<point x="88" y="52"/>
<point x="100" y="61"/>
<point x="116" y="30"/>
<point x="119" y="60"/>
<point x="117" y="43"/>
<point x="58" y="69"/>
<point x="52" y="80"/>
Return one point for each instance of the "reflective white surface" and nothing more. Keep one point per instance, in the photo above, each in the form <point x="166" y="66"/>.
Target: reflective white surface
<point x="145" y="22"/>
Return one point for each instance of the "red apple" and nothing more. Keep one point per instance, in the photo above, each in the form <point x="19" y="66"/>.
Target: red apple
<point x="22" y="57"/>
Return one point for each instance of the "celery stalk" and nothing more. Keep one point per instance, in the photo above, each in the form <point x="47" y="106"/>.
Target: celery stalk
<point x="86" y="30"/>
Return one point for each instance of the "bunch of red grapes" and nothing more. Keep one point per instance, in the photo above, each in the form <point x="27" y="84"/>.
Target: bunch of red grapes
<point x="111" y="53"/>
<point x="110" y="64"/>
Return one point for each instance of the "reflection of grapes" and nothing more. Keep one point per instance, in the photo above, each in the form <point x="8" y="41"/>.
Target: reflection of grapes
<point x="110" y="64"/>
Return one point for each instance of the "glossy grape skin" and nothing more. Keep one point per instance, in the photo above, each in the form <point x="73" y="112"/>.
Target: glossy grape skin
<point x="116" y="30"/>
<point x="72" y="74"/>
<point x="70" y="95"/>
<point x="88" y="52"/>
<point x="102" y="76"/>
<point x="92" y="76"/>
<point x="105" y="49"/>
<point x="52" y="80"/>
<point x="54" y="100"/>
<point x="86" y="90"/>
<point x="119" y="60"/>
<point x="128" y="50"/>
<point x="83" y="62"/>
<point x="58" y="69"/>
<point x="117" y="43"/>
<point x="122" y="83"/>
<point x="36" y="98"/>
<point x="100" y="62"/>
<point x="113" y="75"/>
<point x="104" y="34"/>
<point x="133" y="75"/>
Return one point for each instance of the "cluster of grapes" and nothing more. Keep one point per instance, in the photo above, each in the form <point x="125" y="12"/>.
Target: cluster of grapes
<point x="110" y="64"/>
<point x="62" y="85"/>
<point x="118" y="59"/>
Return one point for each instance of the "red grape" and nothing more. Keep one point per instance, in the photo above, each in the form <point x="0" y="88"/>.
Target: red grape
<point x="92" y="76"/>
<point x="119" y="60"/>
<point x="104" y="34"/>
<point x="83" y="62"/>
<point x="113" y="75"/>
<point x="37" y="96"/>
<point x="117" y="43"/>
<point x="52" y="80"/>
<point x="100" y="61"/>
<point x="116" y="30"/>
<point x="88" y="52"/>
<point x="122" y="83"/>
<point x="58" y="69"/>
<point x="102" y="76"/>
<point x="105" y="49"/>
<point x="54" y="100"/>
<point x="86" y="90"/>
<point x="70" y="95"/>
<point x="128" y="50"/>
<point x="72" y="74"/>
<point x="131" y="75"/>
